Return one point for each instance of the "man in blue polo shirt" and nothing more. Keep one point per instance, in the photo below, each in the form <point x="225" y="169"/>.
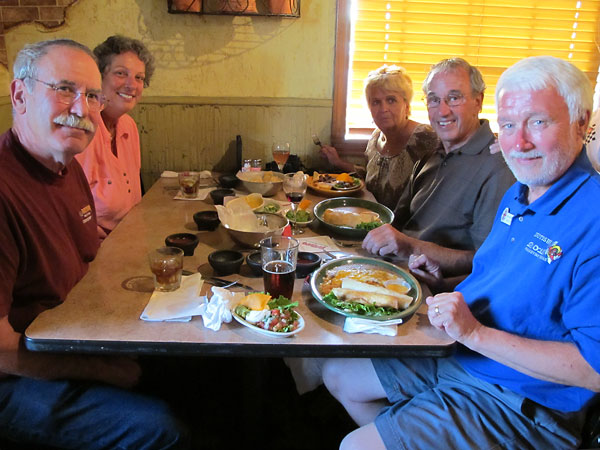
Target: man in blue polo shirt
<point x="526" y="319"/>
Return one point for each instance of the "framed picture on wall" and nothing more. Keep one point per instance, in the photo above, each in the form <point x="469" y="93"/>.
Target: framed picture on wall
<point x="285" y="8"/>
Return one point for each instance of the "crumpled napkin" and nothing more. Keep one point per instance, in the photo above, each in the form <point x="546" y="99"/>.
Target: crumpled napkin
<point x="217" y="309"/>
<point x="358" y="325"/>
<point x="176" y="306"/>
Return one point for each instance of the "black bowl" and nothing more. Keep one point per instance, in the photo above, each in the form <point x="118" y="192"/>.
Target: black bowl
<point x="226" y="262"/>
<point x="307" y="263"/>
<point x="207" y="220"/>
<point x="254" y="261"/>
<point x="219" y="194"/>
<point x="228" y="181"/>
<point x="185" y="241"/>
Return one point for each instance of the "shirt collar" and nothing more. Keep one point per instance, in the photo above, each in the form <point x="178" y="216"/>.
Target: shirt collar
<point x="118" y="130"/>
<point x="479" y="142"/>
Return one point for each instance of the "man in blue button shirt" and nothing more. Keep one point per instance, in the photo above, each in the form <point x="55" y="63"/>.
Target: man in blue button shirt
<point x="527" y="318"/>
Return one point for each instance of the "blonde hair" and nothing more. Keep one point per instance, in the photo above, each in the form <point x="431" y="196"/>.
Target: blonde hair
<point x="390" y="78"/>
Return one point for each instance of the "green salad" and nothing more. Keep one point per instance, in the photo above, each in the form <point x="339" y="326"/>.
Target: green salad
<point x="346" y="184"/>
<point x="359" y="308"/>
<point x="301" y="215"/>
<point x="280" y="318"/>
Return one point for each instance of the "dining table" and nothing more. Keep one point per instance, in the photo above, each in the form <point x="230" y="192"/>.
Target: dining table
<point x="101" y="314"/>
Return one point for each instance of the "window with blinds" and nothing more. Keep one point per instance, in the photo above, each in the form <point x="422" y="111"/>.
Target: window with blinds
<point x="490" y="34"/>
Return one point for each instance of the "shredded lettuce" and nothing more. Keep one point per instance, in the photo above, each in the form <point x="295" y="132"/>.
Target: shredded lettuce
<point x="368" y="225"/>
<point x="359" y="308"/>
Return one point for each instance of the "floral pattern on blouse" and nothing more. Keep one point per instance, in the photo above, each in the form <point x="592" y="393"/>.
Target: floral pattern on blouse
<point x="387" y="176"/>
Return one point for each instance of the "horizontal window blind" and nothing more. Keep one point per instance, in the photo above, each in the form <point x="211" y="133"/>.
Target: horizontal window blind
<point x="490" y="34"/>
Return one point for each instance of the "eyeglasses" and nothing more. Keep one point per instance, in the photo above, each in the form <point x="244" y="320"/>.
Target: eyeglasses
<point x="451" y="100"/>
<point x="67" y="95"/>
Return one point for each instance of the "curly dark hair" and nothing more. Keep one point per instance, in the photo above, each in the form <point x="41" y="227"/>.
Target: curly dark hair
<point x="117" y="44"/>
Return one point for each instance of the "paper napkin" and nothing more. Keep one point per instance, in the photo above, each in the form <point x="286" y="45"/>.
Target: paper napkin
<point x="202" y="194"/>
<point x="176" y="306"/>
<point x="168" y="174"/>
<point x="317" y="244"/>
<point x="357" y="325"/>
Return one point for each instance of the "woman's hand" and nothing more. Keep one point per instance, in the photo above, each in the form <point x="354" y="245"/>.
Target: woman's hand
<point x="331" y="155"/>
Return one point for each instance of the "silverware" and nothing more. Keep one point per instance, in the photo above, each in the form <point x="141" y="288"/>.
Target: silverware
<point x="316" y="140"/>
<point x="220" y="282"/>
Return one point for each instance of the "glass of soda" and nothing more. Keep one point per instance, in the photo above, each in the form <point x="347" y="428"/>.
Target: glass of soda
<point x="166" y="264"/>
<point x="279" y="257"/>
<point x="189" y="183"/>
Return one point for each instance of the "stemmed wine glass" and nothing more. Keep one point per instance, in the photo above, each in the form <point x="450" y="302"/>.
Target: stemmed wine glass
<point x="281" y="153"/>
<point x="294" y="186"/>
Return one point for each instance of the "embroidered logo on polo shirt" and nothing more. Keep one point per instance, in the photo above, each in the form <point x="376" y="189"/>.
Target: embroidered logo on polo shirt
<point x="544" y="248"/>
<point x="85" y="213"/>
<point x="554" y="252"/>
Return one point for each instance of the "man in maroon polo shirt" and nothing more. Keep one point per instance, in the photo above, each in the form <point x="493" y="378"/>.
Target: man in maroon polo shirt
<point x="48" y="237"/>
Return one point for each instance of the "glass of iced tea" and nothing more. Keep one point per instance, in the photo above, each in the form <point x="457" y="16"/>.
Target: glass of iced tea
<point x="166" y="264"/>
<point x="279" y="256"/>
<point x="189" y="182"/>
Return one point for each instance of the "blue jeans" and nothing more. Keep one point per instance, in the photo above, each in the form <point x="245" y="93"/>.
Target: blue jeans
<point x="85" y="415"/>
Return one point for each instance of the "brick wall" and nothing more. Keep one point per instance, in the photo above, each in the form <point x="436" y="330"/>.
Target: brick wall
<point x="48" y="13"/>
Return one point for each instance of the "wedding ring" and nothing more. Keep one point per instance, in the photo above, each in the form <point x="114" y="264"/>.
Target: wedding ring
<point x="437" y="310"/>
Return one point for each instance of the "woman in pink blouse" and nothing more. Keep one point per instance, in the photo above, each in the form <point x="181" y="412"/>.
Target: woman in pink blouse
<point x="112" y="161"/>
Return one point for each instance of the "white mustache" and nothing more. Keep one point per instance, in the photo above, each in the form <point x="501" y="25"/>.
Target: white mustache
<point x="525" y="155"/>
<point x="73" y="121"/>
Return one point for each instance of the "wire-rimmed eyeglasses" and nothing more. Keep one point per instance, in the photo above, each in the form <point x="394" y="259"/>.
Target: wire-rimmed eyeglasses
<point x="452" y="100"/>
<point x="67" y="95"/>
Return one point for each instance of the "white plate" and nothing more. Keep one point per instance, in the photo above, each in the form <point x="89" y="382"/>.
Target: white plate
<point x="267" y="332"/>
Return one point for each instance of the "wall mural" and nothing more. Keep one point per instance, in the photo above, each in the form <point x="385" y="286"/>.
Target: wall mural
<point x="46" y="13"/>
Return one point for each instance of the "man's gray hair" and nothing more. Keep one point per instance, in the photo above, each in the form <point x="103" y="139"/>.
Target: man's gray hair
<point x="539" y="72"/>
<point x="452" y="64"/>
<point x="25" y="66"/>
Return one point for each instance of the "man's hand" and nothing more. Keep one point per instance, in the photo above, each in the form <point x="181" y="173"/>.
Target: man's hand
<point x="385" y="240"/>
<point x="426" y="270"/>
<point x="449" y="312"/>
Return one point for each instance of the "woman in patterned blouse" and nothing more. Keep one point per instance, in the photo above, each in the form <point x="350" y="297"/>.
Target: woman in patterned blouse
<point x="396" y="143"/>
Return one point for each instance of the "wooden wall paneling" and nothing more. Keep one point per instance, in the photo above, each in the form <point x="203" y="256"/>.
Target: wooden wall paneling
<point x="199" y="136"/>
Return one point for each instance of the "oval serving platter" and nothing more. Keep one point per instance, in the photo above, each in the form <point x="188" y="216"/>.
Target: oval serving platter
<point x="264" y="332"/>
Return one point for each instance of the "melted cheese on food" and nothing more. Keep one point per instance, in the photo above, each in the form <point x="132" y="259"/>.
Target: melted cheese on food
<point x="370" y="276"/>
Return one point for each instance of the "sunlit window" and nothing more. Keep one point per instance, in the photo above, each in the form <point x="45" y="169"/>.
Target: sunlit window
<point x="490" y="34"/>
